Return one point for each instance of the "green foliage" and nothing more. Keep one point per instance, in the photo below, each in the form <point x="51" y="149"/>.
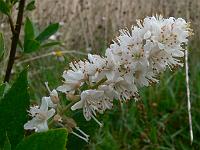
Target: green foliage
<point x="31" y="5"/>
<point x="29" y="30"/>
<point x="47" y="32"/>
<point x="31" y="46"/>
<point x="2" y="89"/>
<point x="32" y="43"/>
<point x="51" y="140"/>
<point x="14" y="1"/>
<point x="13" y="106"/>
<point x="50" y="44"/>
<point x="2" y="46"/>
<point x="4" y="8"/>
<point x="7" y="145"/>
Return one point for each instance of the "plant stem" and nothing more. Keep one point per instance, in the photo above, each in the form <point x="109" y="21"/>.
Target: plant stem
<point x="11" y="24"/>
<point x="12" y="27"/>
<point x="67" y="107"/>
<point x="15" y="40"/>
<point x="98" y="83"/>
<point x="188" y="96"/>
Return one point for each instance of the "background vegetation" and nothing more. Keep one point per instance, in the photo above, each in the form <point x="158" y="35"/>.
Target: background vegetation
<point x="159" y="120"/>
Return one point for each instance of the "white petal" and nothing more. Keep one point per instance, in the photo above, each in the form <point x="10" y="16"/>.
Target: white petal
<point x="54" y="93"/>
<point x="31" y="125"/>
<point x="42" y="127"/>
<point x="34" y="110"/>
<point x="178" y="53"/>
<point x="86" y="113"/>
<point x="161" y="46"/>
<point x="91" y="57"/>
<point x="93" y="93"/>
<point x="147" y="35"/>
<point x="77" y="105"/>
<point x="64" y="88"/>
<point x="50" y="113"/>
<point x="44" y="105"/>
<point x="73" y="75"/>
<point x="49" y="101"/>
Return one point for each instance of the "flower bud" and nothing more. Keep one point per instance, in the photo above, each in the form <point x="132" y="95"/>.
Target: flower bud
<point x="72" y="97"/>
<point x="54" y="97"/>
<point x="57" y="118"/>
<point x="69" y="122"/>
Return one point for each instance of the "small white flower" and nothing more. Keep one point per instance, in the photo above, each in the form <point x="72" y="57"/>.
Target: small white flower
<point x="92" y="101"/>
<point x="73" y="80"/>
<point x="40" y="117"/>
<point x="88" y="102"/>
<point x="144" y="76"/>
<point x="49" y="102"/>
<point x="54" y="96"/>
<point x="100" y="66"/>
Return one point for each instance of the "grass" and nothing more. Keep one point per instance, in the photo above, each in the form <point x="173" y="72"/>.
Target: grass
<point x="158" y="121"/>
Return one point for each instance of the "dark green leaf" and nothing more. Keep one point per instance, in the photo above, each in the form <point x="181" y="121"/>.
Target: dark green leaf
<point x="2" y="89"/>
<point x="13" y="108"/>
<point x="7" y="145"/>
<point x="4" y="8"/>
<point x="31" y="6"/>
<point x="28" y="30"/>
<point x="48" y="31"/>
<point x="2" y="45"/>
<point x="51" y="140"/>
<point x="31" y="46"/>
<point x="50" y="44"/>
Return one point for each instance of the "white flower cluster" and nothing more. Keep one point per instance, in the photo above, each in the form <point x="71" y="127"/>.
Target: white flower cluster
<point x="48" y="108"/>
<point x="41" y="115"/>
<point x="135" y="59"/>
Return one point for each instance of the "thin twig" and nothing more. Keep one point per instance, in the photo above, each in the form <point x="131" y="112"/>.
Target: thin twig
<point x="67" y="107"/>
<point x="12" y="27"/>
<point x="15" y="40"/>
<point x="50" y="54"/>
<point x="188" y="95"/>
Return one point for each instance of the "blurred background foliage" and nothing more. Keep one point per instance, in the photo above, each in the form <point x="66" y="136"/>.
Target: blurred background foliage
<point x="159" y="120"/>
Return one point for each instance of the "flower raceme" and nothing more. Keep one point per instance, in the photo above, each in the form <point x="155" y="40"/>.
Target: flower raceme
<point x="134" y="60"/>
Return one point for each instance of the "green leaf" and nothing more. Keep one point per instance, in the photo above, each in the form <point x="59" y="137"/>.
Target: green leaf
<point x="28" y="30"/>
<point x="31" y="6"/>
<point x="51" y="140"/>
<point x="4" y="8"/>
<point x="14" y="1"/>
<point x="31" y="46"/>
<point x="7" y="145"/>
<point x="2" y="45"/>
<point x="14" y="106"/>
<point x="2" y="89"/>
<point x="50" y="44"/>
<point x="47" y="32"/>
